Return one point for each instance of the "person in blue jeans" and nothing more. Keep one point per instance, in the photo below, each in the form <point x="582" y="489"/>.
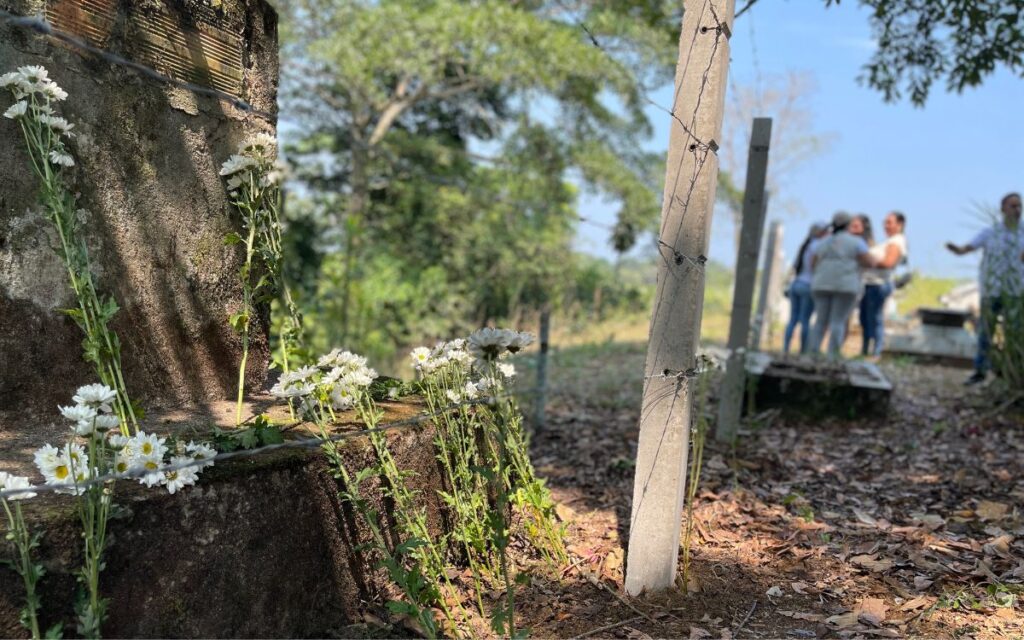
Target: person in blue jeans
<point x="801" y="304"/>
<point x="1001" y="277"/>
<point x="878" y="283"/>
<point x="835" y="281"/>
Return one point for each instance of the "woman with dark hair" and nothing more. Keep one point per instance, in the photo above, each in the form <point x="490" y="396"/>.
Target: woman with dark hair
<point x="801" y="305"/>
<point x="835" y="282"/>
<point x="878" y="283"/>
<point x="865" y="231"/>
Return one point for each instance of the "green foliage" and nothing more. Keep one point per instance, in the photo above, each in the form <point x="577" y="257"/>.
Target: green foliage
<point x="261" y="432"/>
<point x="439" y="157"/>
<point x="960" y="42"/>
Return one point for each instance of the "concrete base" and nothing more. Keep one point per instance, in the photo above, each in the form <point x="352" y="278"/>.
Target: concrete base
<point x="844" y="389"/>
<point x="261" y="547"/>
<point x="955" y="345"/>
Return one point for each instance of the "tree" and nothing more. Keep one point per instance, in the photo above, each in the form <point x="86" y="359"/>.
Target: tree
<point x="920" y="42"/>
<point x="794" y="139"/>
<point x="471" y="111"/>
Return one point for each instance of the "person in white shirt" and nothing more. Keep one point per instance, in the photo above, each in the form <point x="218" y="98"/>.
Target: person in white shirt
<point x="878" y="283"/>
<point x="801" y="305"/>
<point x="835" y="281"/>
<point x="1001" y="277"/>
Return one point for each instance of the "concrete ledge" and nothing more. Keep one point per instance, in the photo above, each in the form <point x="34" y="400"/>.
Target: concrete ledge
<point x="842" y="389"/>
<point x="261" y="547"/>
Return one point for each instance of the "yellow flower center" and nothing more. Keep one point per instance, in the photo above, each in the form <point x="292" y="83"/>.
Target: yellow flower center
<point x="151" y="466"/>
<point x="61" y="472"/>
<point x="147" y="448"/>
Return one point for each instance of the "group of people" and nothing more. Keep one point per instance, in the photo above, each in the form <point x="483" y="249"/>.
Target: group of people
<point x="839" y="267"/>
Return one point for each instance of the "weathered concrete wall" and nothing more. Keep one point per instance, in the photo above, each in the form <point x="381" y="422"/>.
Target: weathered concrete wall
<point x="148" y="156"/>
<point x="261" y="547"/>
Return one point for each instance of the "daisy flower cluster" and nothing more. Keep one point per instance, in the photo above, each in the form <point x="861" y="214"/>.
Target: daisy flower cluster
<point x="108" y="450"/>
<point x="339" y="379"/>
<point x="255" y="164"/>
<point x="468" y="368"/>
<point x="34" y="97"/>
<point x="426" y="360"/>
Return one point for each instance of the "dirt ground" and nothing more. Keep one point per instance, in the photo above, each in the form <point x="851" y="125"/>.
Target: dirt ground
<point x="910" y="526"/>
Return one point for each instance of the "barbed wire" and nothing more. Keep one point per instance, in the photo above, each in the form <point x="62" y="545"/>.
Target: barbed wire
<point x="41" y="25"/>
<point x="298" y="443"/>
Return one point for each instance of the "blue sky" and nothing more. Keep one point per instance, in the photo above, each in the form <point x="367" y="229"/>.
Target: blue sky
<point x="932" y="163"/>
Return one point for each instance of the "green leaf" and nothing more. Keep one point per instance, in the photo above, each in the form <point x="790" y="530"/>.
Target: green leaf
<point x="239" y="321"/>
<point x="271" y="435"/>
<point x="232" y="238"/>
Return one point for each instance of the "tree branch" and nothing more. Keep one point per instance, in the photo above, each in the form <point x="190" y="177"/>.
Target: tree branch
<point x="747" y="6"/>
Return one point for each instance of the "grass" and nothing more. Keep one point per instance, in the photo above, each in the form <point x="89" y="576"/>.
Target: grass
<point x="923" y="291"/>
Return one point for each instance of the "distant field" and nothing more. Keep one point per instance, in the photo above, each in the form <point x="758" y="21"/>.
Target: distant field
<point x="923" y="291"/>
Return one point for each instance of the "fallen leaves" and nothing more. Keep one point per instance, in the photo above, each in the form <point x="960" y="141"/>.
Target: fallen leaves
<point x="851" y="529"/>
<point x="872" y="563"/>
<point x="988" y="510"/>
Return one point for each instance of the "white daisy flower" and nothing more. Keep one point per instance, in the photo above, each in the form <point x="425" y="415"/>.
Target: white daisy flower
<point x="106" y="422"/>
<point x="46" y="457"/>
<point x="507" y="370"/>
<point x="152" y="466"/>
<point x="11" y="79"/>
<point x="201" y="451"/>
<point x="148" y="445"/>
<point x="118" y="440"/>
<point x="64" y="466"/>
<point x="123" y="462"/>
<point x="236" y="163"/>
<point x="16" y="110"/>
<point x="56" y="123"/>
<point x="98" y="396"/>
<point x="420" y="357"/>
<point x="62" y="159"/>
<point x="78" y="413"/>
<point x="342" y="397"/>
<point x="53" y="91"/>
<point x="360" y="377"/>
<point x="261" y="142"/>
<point x="9" y="482"/>
<point x="177" y="479"/>
<point x="332" y="376"/>
<point x="305" y="373"/>
<point x="34" y="73"/>
<point x="296" y="390"/>
<point x="519" y="340"/>
<point x="453" y="396"/>
<point x="488" y="343"/>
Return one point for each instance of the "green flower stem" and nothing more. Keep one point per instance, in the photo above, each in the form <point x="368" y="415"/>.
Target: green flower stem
<point x="247" y="296"/>
<point x="92" y="316"/>
<point x="29" y="571"/>
<point x="94" y="507"/>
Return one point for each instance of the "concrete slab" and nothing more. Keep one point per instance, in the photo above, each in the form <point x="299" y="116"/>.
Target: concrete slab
<point x="952" y="345"/>
<point x="842" y="389"/>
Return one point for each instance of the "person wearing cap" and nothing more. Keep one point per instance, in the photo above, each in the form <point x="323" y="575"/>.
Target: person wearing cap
<point x="801" y="305"/>
<point x="1001" y="277"/>
<point x="836" y="282"/>
<point x="878" y="283"/>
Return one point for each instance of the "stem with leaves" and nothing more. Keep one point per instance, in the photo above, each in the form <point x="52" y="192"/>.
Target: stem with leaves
<point x="43" y="133"/>
<point x="254" y="178"/>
